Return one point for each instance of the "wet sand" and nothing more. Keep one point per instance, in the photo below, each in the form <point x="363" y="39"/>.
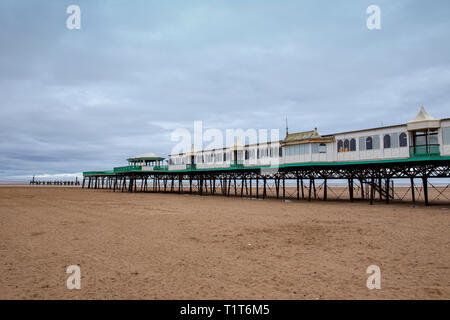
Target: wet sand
<point x="169" y="246"/>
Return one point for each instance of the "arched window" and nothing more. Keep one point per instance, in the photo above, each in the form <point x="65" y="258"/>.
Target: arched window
<point x="387" y="141"/>
<point x="346" y="145"/>
<point x="402" y="140"/>
<point x="352" y="145"/>
<point x="369" y="143"/>
<point x="340" y="146"/>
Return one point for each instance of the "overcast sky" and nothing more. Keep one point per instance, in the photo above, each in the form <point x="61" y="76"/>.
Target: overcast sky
<point x="78" y="100"/>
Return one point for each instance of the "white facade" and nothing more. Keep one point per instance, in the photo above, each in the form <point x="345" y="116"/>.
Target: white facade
<point x="444" y="136"/>
<point x="384" y="143"/>
<point x="379" y="151"/>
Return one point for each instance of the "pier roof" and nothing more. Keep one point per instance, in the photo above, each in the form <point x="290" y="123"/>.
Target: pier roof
<point x="306" y="137"/>
<point x="423" y="120"/>
<point x="146" y="156"/>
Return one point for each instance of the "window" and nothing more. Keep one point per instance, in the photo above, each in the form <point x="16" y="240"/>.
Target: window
<point x="420" y="138"/>
<point x="346" y="145"/>
<point x="427" y="137"/>
<point x="446" y="135"/>
<point x="387" y="141"/>
<point x="322" y="148"/>
<point x="318" y="148"/>
<point x="394" y="140"/>
<point x="340" y="146"/>
<point x="362" y="143"/>
<point x="402" y="140"/>
<point x="280" y="152"/>
<point x="433" y="137"/>
<point x="224" y="157"/>
<point x="352" y="145"/>
<point x="369" y="143"/>
<point x="376" y="142"/>
<point x="246" y="154"/>
<point x="299" y="149"/>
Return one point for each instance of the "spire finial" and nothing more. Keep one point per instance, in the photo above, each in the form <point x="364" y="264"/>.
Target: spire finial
<point x="287" y="128"/>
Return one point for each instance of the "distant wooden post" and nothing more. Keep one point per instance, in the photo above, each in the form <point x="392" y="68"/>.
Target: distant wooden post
<point x="265" y="190"/>
<point x="303" y="191"/>
<point x="350" y="188"/>
<point x="277" y="186"/>
<point x="372" y="191"/>
<point x="361" y="181"/>
<point x="310" y="189"/>
<point x="425" y="189"/>
<point x="387" y="191"/>
<point x="380" y="188"/>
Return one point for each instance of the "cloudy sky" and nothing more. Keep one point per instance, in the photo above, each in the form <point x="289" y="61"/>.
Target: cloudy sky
<point x="77" y="100"/>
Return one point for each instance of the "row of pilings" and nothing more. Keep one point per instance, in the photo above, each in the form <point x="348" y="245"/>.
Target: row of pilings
<point x="369" y="184"/>
<point x="54" y="183"/>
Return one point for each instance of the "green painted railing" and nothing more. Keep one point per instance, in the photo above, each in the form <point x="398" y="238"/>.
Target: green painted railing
<point x="424" y="151"/>
<point x="97" y="173"/>
<point x="237" y="164"/>
<point x="127" y="169"/>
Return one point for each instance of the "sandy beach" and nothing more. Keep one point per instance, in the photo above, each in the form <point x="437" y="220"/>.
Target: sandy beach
<point x="169" y="246"/>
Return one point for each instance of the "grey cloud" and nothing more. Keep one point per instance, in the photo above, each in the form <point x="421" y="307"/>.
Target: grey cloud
<point x="88" y="99"/>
